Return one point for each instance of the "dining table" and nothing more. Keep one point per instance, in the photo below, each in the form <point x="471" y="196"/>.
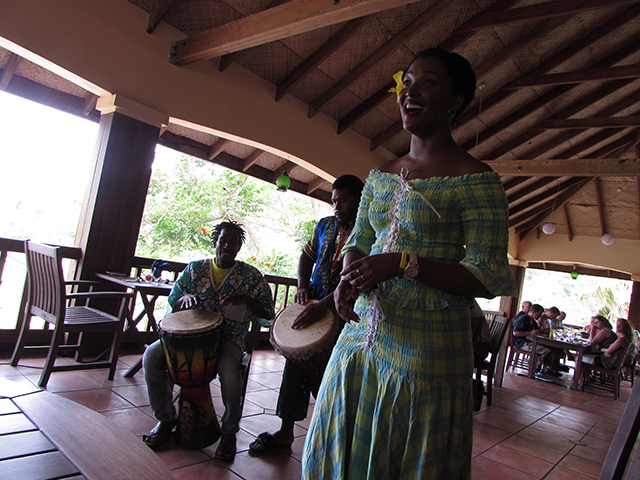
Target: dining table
<point x="149" y="292"/>
<point x="570" y="342"/>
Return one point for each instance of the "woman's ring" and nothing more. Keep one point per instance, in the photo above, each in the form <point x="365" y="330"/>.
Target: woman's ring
<point x="358" y="272"/>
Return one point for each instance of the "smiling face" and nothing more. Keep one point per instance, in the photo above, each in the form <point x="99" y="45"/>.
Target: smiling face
<point x="426" y="97"/>
<point x="227" y="247"/>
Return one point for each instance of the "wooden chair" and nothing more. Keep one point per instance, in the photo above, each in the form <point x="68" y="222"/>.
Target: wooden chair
<point x="518" y="358"/>
<point x="605" y="378"/>
<point x="499" y="327"/>
<point x="621" y="456"/>
<point x="47" y="299"/>
<point x="629" y="368"/>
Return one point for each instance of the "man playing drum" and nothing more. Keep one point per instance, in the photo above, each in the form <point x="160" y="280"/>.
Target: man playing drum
<point x="239" y="293"/>
<point x="319" y="282"/>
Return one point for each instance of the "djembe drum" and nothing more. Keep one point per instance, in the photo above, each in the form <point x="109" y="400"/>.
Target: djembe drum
<point x="191" y="341"/>
<point x="309" y="348"/>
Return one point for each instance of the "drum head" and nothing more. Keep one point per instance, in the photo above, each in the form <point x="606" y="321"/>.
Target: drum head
<point x="190" y="321"/>
<point x="294" y="341"/>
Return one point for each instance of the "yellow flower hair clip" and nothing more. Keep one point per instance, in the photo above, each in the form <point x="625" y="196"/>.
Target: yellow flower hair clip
<point x="399" y="85"/>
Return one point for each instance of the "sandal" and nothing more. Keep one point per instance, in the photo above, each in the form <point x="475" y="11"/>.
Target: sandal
<point x="162" y="432"/>
<point x="227" y="449"/>
<point x="267" y="443"/>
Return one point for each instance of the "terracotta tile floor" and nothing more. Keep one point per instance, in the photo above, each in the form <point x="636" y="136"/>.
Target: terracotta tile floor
<point x="533" y="430"/>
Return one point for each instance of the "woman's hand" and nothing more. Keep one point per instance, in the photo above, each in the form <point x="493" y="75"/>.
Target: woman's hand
<point x="186" y="302"/>
<point x="344" y="297"/>
<point x="367" y="272"/>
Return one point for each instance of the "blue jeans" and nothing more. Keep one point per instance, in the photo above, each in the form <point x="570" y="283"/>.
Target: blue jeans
<point x="160" y="385"/>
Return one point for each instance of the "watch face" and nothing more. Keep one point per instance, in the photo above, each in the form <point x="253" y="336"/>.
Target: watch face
<point x="411" y="271"/>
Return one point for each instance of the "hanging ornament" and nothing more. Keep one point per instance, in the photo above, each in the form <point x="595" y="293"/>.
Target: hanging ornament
<point x="607" y="239"/>
<point x="548" y="228"/>
<point x="574" y="274"/>
<point x="283" y="182"/>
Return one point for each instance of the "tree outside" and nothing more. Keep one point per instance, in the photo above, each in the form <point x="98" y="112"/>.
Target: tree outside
<point x="187" y="197"/>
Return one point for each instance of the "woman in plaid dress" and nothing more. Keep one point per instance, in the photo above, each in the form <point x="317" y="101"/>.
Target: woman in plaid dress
<point x="431" y="233"/>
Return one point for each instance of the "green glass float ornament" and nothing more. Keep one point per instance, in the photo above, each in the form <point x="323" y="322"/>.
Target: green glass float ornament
<point x="574" y="274"/>
<point x="283" y="182"/>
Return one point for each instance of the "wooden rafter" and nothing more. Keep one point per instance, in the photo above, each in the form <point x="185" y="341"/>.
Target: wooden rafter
<point x="620" y="145"/>
<point x="421" y="22"/>
<point x="512" y="183"/>
<point x="315" y="184"/>
<point x="316" y="58"/>
<point x="529" y="189"/>
<point x="9" y="70"/>
<point x="565" y="214"/>
<point x="89" y="104"/>
<point x="594" y="122"/>
<point x="578" y="167"/>
<point x="218" y="147"/>
<point x="540" y="11"/>
<point x="601" y="136"/>
<point x="293" y="18"/>
<point x="533" y="224"/>
<point x="155" y="17"/>
<point x="567" y="112"/>
<point x="541" y="199"/>
<point x="589" y="75"/>
<point x="252" y="159"/>
<point x="596" y="186"/>
<point x="226" y="60"/>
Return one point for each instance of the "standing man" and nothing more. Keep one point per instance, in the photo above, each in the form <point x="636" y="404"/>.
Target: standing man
<point x="213" y="284"/>
<point x="319" y="270"/>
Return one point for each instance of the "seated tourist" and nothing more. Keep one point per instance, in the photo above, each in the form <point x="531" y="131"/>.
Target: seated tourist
<point x="524" y="308"/>
<point x="558" y="322"/>
<point x="611" y="354"/>
<point x="544" y="322"/>
<point x="601" y="335"/>
<point x="526" y="325"/>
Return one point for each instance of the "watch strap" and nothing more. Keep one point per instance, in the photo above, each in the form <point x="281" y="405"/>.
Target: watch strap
<point x="403" y="263"/>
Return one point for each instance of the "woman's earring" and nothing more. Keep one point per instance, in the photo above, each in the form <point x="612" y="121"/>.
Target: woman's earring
<point x="452" y="113"/>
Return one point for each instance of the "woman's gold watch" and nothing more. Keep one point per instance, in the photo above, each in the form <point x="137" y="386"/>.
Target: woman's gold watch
<point x="412" y="270"/>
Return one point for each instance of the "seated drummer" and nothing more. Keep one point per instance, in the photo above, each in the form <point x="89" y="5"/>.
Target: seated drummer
<point x="211" y="284"/>
<point x="323" y="250"/>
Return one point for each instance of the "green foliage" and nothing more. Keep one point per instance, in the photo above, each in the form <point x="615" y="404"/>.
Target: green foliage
<point x="604" y="301"/>
<point x="181" y="211"/>
<point x="186" y="200"/>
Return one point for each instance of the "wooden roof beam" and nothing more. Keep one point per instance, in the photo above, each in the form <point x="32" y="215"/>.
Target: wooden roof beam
<point x="315" y="184"/>
<point x="9" y="70"/>
<point x="155" y="17"/>
<point x="539" y="199"/>
<point x="543" y="182"/>
<point x="252" y="159"/>
<point x="532" y="225"/>
<point x="540" y="11"/>
<point x="512" y="183"/>
<point x="283" y="21"/>
<point x="566" y="221"/>
<point x="596" y="186"/>
<point x="601" y="136"/>
<point x="316" y="58"/>
<point x="567" y="112"/>
<point x="588" y="75"/>
<point x="578" y="167"/>
<point x="218" y="147"/>
<point x="617" y="148"/>
<point x="394" y="43"/>
<point x="593" y="122"/>
<point x="226" y="60"/>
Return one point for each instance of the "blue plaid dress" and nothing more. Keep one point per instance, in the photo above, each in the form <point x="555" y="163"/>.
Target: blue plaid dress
<point x="401" y="409"/>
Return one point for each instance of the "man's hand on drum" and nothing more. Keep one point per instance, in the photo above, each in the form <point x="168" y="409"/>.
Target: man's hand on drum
<point x="186" y="302"/>
<point x="303" y="295"/>
<point x="312" y="313"/>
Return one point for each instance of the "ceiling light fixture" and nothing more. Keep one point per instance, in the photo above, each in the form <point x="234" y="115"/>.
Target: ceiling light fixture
<point x="607" y="239"/>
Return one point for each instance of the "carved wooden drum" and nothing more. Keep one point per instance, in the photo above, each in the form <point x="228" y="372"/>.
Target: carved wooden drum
<point x="191" y="341"/>
<point x="309" y="348"/>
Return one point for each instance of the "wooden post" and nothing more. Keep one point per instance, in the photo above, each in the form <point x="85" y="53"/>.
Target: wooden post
<point x="634" y="306"/>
